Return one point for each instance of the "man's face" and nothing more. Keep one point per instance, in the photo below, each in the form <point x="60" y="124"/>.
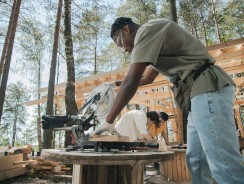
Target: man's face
<point x="123" y="40"/>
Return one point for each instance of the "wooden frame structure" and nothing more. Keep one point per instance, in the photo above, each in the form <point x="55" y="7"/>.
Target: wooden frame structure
<point x="157" y="96"/>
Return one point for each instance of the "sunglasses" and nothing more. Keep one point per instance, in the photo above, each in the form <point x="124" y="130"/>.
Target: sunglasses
<point x="119" y="41"/>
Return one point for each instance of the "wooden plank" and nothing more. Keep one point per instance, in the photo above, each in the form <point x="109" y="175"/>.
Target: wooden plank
<point x="109" y="138"/>
<point x="7" y="161"/>
<point x="239" y="121"/>
<point x="84" y="174"/>
<point x="124" y="174"/>
<point x="77" y="174"/>
<point x="238" y="55"/>
<point x="170" y="173"/>
<point x="24" y="149"/>
<point x="179" y="167"/>
<point x="24" y="162"/>
<point x="188" y="176"/>
<point x="102" y="174"/>
<point x="166" y="169"/>
<point x="174" y="170"/>
<point x="184" y="172"/>
<point x="137" y="174"/>
<point x="92" y="174"/>
<point x="10" y="173"/>
<point x="225" y="44"/>
<point x="112" y="174"/>
<point x="35" y="102"/>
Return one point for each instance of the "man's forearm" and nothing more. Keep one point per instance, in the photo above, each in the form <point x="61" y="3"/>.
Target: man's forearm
<point x="127" y="90"/>
<point x="125" y="94"/>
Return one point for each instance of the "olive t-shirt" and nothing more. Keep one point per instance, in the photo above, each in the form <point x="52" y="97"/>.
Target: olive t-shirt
<point x="172" y="50"/>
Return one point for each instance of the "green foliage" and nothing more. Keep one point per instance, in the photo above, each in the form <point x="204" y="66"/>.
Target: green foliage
<point x="141" y="11"/>
<point x="204" y="18"/>
<point x="89" y="35"/>
<point x="14" y="114"/>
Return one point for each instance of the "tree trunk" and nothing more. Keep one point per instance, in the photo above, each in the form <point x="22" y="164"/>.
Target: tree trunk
<point x="6" y="41"/>
<point x="95" y="55"/>
<point x="15" y="124"/>
<point x="71" y="106"/>
<point x="217" y="32"/>
<point x="173" y="11"/>
<point x="39" y="127"/>
<point x="204" y="29"/>
<point x="48" y="134"/>
<point x="195" y="28"/>
<point x="6" y="68"/>
<point x="95" y="58"/>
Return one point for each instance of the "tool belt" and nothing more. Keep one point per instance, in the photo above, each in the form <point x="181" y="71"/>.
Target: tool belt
<point x="182" y="89"/>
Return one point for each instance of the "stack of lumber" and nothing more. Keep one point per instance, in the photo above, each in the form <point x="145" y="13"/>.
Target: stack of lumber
<point x="40" y="165"/>
<point x="9" y="155"/>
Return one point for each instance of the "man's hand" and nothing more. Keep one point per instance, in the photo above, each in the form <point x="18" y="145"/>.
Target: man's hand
<point x="105" y="126"/>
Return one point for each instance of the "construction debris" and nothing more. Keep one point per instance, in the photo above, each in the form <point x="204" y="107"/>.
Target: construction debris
<point x="46" y="166"/>
<point x="16" y="161"/>
<point x="9" y="155"/>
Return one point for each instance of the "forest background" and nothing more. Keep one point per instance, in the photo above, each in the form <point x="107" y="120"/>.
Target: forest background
<point x="82" y="39"/>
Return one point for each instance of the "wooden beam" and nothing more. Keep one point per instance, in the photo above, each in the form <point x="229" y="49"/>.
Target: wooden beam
<point x="35" y="102"/>
<point x="7" y="161"/>
<point x="239" y="121"/>
<point x="77" y="174"/>
<point x="226" y="44"/>
<point x="10" y="173"/>
<point x="239" y="55"/>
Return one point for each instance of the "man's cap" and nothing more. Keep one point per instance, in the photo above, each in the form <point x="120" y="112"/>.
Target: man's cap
<point x="119" y="23"/>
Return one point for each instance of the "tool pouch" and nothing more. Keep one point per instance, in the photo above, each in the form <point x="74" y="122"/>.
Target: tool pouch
<point x="182" y="91"/>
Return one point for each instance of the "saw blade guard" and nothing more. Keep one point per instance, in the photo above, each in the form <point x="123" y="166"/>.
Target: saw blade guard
<point x="102" y="106"/>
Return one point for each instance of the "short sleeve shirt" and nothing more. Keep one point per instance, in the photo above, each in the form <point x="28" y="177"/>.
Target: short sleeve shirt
<point x="172" y="50"/>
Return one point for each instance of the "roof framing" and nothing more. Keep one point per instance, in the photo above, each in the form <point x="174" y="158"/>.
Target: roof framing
<point x="229" y="55"/>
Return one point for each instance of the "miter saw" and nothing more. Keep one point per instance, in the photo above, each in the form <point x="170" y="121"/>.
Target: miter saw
<point x="96" y="108"/>
<point x="94" y="111"/>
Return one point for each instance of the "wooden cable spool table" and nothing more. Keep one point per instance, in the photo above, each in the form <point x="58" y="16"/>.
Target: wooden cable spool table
<point x="120" y="167"/>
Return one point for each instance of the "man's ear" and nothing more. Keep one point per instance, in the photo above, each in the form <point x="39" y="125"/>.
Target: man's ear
<point x="127" y="29"/>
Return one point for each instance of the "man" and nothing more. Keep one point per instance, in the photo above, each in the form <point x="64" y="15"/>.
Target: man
<point x="164" y="47"/>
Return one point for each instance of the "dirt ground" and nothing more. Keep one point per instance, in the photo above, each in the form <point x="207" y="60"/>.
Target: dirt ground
<point x="27" y="179"/>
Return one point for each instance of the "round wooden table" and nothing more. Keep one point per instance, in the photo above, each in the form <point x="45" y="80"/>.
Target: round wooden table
<point x="119" y="167"/>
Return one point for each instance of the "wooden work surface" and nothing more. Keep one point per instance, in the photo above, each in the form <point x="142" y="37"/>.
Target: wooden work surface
<point x="120" y="167"/>
<point x="107" y="158"/>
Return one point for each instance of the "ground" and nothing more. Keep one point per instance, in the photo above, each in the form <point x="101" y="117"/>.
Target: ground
<point x="33" y="178"/>
<point x="41" y="179"/>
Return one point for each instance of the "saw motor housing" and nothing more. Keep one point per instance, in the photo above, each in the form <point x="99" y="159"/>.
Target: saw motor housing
<point x="96" y="108"/>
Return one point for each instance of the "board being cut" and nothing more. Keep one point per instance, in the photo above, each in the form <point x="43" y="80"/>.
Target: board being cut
<point x="109" y="138"/>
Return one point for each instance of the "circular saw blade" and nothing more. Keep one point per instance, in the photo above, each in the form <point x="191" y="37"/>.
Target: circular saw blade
<point x="103" y="106"/>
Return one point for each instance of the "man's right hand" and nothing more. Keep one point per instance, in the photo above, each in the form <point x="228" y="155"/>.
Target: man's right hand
<point x="105" y="126"/>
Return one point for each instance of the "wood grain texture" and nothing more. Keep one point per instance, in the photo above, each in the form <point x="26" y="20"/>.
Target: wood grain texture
<point x="109" y="138"/>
